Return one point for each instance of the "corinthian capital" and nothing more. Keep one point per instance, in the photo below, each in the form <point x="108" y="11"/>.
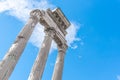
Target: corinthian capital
<point x="35" y="14"/>
<point x="62" y="48"/>
<point x="50" y="31"/>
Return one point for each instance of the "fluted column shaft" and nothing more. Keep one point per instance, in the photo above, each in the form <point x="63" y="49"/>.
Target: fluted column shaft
<point x="58" y="69"/>
<point x="39" y="65"/>
<point x="11" y="58"/>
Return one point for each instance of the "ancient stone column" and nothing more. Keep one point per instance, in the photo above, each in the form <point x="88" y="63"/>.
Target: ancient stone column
<point x="11" y="58"/>
<point x="38" y="67"/>
<point x="58" y="69"/>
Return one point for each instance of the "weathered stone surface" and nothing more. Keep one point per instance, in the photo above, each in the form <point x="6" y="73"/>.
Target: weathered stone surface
<point x="11" y="58"/>
<point x="55" y="25"/>
<point x="39" y="65"/>
<point x="58" y="69"/>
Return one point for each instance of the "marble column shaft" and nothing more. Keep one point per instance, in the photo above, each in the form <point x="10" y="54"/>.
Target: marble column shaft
<point x="11" y="58"/>
<point x="39" y="65"/>
<point x="58" y="69"/>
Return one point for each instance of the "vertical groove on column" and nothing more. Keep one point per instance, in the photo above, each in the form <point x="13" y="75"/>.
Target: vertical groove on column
<point x="38" y="67"/>
<point x="11" y="58"/>
<point x="58" y="69"/>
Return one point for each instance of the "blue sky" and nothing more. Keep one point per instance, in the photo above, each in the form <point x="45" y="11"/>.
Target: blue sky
<point x="94" y="52"/>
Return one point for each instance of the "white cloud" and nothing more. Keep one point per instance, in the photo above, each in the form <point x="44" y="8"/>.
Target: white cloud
<point x="21" y="8"/>
<point x="72" y="33"/>
<point x="38" y="36"/>
<point x="118" y="77"/>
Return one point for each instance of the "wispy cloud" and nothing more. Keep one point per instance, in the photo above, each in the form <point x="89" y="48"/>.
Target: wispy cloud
<point x="72" y="33"/>
<point x="38" y="36"/>
<point x="21" y="8"/>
